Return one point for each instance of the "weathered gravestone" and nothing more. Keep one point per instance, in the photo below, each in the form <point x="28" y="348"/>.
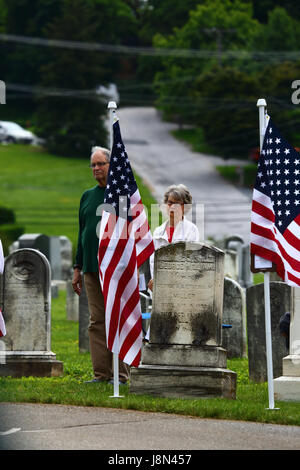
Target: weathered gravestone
<point x="184" y="357"/>
<point x="145" y="299"/>
<point x="231" y="264"/>
<point x="27" y="314"/>
<point x="280" y="302"/>
<point x="49" y="246"/>
<point x="66" y="258"/>
<point x="72" y="302"/>
<point x="234" y="314"/>
<point x="84" y="321"/>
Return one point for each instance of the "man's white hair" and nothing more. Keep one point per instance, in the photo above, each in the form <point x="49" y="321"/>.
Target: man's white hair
<point x="103" y="150"/>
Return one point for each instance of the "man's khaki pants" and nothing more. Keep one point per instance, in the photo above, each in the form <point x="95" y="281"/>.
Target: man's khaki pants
<point x="102" y="358"/>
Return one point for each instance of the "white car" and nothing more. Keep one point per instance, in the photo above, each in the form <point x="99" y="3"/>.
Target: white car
<point x="10" y="132"/>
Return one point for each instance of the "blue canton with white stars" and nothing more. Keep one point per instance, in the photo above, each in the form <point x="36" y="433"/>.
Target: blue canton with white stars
<point x="120" y="182"/>
<point x="278" y="176"/>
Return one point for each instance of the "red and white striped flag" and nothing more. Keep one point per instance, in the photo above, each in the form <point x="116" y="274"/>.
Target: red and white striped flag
<point x="275" y="218"/>
<point x="1" y="258"/>
<point x="2" y="324"/>
<point x="125" y="242"/>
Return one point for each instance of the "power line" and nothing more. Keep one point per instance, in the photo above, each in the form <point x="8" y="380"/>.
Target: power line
<point x="151" y="51"/>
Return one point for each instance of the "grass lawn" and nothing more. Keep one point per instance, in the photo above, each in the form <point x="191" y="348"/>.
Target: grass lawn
<point x="250" y="405"/>
<point x="195" y="138"/>
<point x="44" y="190"/>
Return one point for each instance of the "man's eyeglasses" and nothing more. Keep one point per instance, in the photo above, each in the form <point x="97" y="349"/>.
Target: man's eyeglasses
<point x="94" y="165"/>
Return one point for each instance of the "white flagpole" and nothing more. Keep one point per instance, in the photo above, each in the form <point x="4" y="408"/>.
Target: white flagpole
<point x="261" y="103"/>
<point x="112" y="107"/>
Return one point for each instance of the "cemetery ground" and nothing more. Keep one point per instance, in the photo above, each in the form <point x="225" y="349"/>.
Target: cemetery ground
<point x="250" y="405"/>
<point x="44" y="192"/>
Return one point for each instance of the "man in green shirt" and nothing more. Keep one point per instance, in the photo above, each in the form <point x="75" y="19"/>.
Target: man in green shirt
<point x="86" y="261"/>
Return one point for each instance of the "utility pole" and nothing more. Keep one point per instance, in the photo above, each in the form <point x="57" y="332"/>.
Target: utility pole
<point x="219" y="32"/>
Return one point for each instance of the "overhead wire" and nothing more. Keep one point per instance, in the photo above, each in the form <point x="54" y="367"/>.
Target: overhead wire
<point x="150" y="51"/>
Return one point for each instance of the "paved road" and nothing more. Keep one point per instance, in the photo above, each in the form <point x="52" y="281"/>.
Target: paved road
<point x="162" y="160"/>
<point x="59" y="427"/>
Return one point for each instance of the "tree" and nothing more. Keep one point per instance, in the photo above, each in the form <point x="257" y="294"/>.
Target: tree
<point x="262" y="8"/>
<point x="25" y="18"/>
<point x="72" y="124"/>
<point x="214" y="26"/>
<point x="279" y="33"/>
<point x="226" y="110"/>
<point x="275" y="84"/>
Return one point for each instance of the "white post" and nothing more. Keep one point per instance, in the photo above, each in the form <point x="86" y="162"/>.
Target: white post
<point x="261" y="104"/>
<point x="112" y="107"/>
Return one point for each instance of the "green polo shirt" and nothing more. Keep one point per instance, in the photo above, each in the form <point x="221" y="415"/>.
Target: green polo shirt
<point x="88" y="236"/>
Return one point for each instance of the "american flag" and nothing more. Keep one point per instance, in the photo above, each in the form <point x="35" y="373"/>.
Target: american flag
<point x="2" y="326"/>
<point x="275" y="218"/>
<point x="125" y="242"/>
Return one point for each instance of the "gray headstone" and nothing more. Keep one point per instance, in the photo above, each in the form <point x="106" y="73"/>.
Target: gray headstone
<point x="36" y="241"/>
<point x="72" y="303"/>
<point x="234" y="314"/>
<point x="231" y="264"/>
<point x="246" y="276"/>
<point x="66" y="258"/>
<point x="184" y="357"/>
<point x="236" y="239"/>
<point x="51" y="247"/>
<point x="236" y="243"/>
<point x="27" y="314"/>
<point x="27" y="301"/>
<point x="84" y="320"/>
<point x="188" y="295"/>
<point x="55" y="257"/>
<point x="280" y="302"/>
<point x="145" y="276"/>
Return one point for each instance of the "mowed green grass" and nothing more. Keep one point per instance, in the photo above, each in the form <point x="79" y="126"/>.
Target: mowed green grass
<point x="44" y="190"/>
<point x="250" y="405"/>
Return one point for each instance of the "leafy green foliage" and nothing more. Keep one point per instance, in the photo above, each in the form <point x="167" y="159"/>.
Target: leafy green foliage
<point x="9" y="231"/>
<point x="72" y="125"/>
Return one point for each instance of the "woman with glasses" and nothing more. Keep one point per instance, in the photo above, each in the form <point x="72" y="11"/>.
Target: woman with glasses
<point x="178" y="201"/>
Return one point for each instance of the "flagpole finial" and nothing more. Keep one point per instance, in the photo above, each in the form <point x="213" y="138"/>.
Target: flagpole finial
<point x="261" y="102"/>
<point x="112" y="105"/>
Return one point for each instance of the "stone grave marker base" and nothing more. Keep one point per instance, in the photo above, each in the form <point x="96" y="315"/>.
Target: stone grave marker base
<point x="184" y="354"/>
<point x="33" y="363"/>
<point x="183" y="382"/>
